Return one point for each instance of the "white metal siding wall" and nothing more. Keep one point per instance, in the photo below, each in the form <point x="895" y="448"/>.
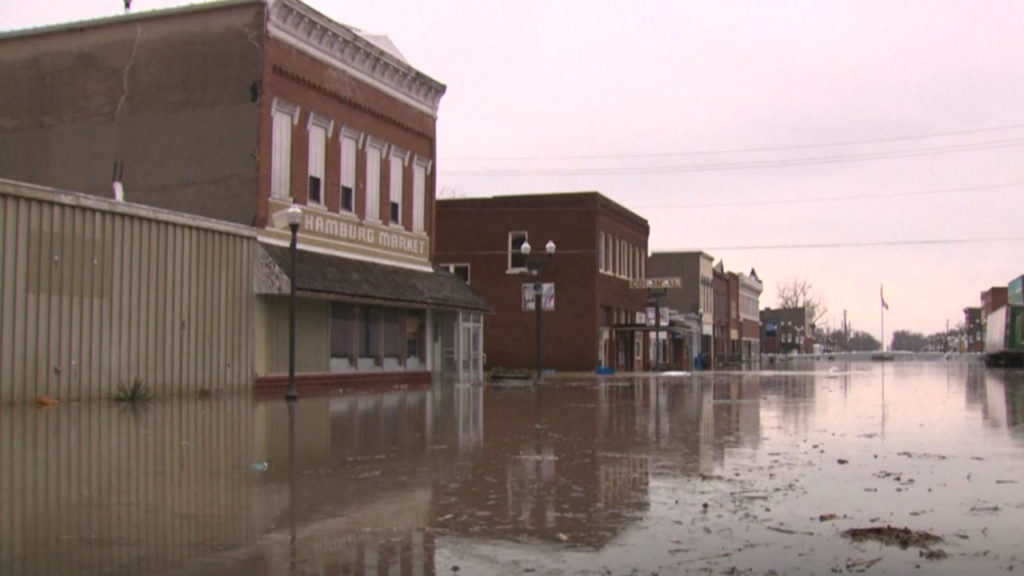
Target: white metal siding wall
<point x="93" y="298"/>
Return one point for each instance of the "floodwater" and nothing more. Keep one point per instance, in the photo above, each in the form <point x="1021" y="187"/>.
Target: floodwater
<point x="725" y="473"/>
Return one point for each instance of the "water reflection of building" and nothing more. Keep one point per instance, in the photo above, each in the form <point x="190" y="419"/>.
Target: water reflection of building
<point x="1000" y="393"/>
<point x="98" y="488"/>
<point x="793" y="395"/>
<point x="574" y="464"/>
<point x="367" y="467"/>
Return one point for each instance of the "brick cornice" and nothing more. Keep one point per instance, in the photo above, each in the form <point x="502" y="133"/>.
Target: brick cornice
<point x="338" y="45"/>
<point x="311" y="84"/>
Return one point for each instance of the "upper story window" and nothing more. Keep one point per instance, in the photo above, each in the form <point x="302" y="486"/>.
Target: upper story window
<point x="609" y="257"/>
<point x="396" y="183"/>
<point x="320" y="129"/>
<point x="284" y="116"/>
<point x="374" y="151"/>
<point x="516" y="258"/>
<point x="420" y="169"/>
<point x="349" y="146"/>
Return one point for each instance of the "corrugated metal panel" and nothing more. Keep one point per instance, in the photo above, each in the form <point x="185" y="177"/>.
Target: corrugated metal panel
<point x="95" y="488"/>
<point x="92" y="298"/>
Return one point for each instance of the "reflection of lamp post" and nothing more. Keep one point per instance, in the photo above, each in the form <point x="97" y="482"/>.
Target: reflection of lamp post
<point x="533" y="269"/>
<point x="294" y="218"/>
<point x="292" y="560"/>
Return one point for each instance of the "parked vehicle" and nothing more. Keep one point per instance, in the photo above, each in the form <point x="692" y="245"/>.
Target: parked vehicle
<point x="1004" y="336"/>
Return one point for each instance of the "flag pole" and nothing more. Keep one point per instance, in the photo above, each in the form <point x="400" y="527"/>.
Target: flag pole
<point x="881" y="294"/>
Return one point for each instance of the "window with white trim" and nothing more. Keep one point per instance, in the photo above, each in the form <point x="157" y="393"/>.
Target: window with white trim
<point x="420" y="169"/>
<point x="349" y="146"/>
<point x="284" y="117"/>
<point x="609" y="244"/>
<point x="600" y="251"/>
<point x="319" y="128"/>
<point x="629" y="260"/>
<point x="395" y="184"/>
<point x="373" y="154"/>
<point x="516" y="258"/>
<point x="621" y="270"/>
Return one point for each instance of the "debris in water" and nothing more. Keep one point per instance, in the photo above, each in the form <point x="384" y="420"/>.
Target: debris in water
<point x="892" y="536"/>
<point x="46" y="401"/>
<point x="937" y="554"/>
<point x="861" y="565"/>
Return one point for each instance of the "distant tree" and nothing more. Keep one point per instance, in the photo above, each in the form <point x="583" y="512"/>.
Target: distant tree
<point x="862" y="342"/>
<point x="449" y="192"/>
<point x="799" y="293"/>
<point x="907" y="341"/>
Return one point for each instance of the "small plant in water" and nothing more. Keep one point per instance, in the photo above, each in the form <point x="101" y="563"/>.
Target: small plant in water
<point x="137" y="392"/>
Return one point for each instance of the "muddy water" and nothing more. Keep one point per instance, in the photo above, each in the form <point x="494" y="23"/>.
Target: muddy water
<point x="742" y="473"/>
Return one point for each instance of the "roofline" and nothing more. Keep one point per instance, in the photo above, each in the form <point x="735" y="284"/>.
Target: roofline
<point x="303" y="27"/>
<point x="201" y="6"/>
<point x="514" y="200"/>
<point x="37" y="192"/>
<point x="684" y="253"/>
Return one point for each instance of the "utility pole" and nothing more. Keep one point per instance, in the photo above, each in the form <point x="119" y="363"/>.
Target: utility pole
<point x="846" y="333"/>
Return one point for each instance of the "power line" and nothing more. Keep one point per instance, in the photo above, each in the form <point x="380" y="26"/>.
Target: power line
<point x="882" y="243"/>
<point x="747" y="165"/>
<point x="845" y="197"/>
<point x="780" y="148"/>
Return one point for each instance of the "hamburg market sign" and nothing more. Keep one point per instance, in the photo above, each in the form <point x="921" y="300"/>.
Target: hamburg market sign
<point x="656" y="283"/>
<point x="334" y="229"/>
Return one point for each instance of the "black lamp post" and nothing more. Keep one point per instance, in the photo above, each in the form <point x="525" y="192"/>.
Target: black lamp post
<point x="533" y="268"/>
<point x="294" y="217"/>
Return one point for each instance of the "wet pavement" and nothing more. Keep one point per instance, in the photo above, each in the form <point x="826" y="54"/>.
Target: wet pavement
<point x="820" y="468"/>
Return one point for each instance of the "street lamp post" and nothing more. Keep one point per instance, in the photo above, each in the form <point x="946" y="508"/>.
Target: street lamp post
<point x="294" y="217"/>
<point x="533" y="268"/>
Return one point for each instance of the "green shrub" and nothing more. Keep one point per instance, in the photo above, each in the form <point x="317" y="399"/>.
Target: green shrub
<point x="136" y="392"/>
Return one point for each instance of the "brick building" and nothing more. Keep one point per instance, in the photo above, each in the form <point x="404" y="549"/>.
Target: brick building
<point x="750" y="288"/>
<point x="720" y="289"/>
<point x="973" y="328"/>
<point x="786" y="330"/>
<point x="235" y="110"/>
<point x="991" y="300"/>
<point x="600" y="247"/>
<point x="694" y="297"/>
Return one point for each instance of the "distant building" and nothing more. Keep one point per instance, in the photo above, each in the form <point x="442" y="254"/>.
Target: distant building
<point x="786" y="330"/>
<point x="1015" y="291"/>
<point x="721" y="352"/>
<point x="974" y="329"/>
<point x="598" y="317"/>
<point x="694" y="297"/>
<point x="991" y="300"/>
<point x="235" y="111"/>
<point x="750" y="288"/>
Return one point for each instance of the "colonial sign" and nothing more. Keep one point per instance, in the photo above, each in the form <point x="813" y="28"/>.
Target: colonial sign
<point x="348" y="234"/>
<point x="663" y="282"/>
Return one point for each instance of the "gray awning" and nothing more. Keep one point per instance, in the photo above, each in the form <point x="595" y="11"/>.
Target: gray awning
<point x="346" y="279"/>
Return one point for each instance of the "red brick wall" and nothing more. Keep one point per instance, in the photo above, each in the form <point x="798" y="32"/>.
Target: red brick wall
<point x="475" y="231"/>
<point x="300" y="79"/>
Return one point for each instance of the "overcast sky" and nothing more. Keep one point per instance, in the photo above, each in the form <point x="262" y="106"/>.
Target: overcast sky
<point x="850" y="143"/>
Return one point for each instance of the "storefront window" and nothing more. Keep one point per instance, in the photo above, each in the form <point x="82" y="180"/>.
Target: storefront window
<point x="343" y="329"/>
